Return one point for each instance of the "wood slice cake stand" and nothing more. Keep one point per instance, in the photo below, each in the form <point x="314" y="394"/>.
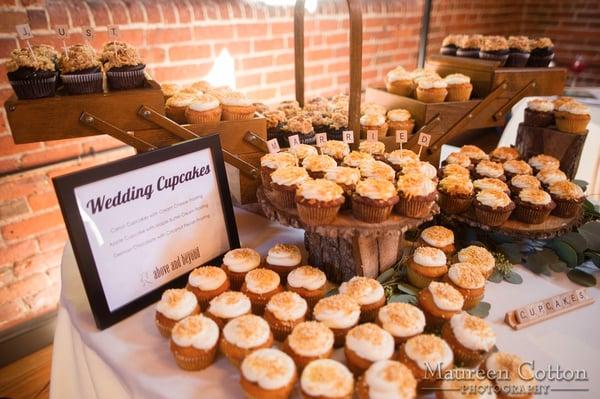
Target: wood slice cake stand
<point x="348" y="247"/>
<point x="552" y="227"/>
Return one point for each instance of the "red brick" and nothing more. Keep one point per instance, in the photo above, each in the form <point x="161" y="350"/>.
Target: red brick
<point x="10" y="19"/>
<point x="54" y="274"/>
<point x="51" y="155"/>
<point x="248" y="80"/>
<point x="152" y="54"/>
<point x="22" y="288"/>
<point x="168" y="35"/>
<point x="11" y="311"/>
<point x="45" y="299"/>
<point x="8" y="165"/>
<point x="267" y="44"/>
<point x="33" y="225"/>
<point x="7" y="44"/>
<point x="190" y="71"/>
<point x="53" y="239"/>
<point x="262" y="94"/>
<point x="177" y="53"/>
<point x="152" y="12"/>
<point x="251" y="30"/>
<point x="13" y="208"/>
<point x="42" y="201"/>
<point x="23" y="187"/>
<point x="234" y="47"/>
<point x="17" y="252"/>
<point x="77" y="10"/>
<point x="220" y="32"/>
<point x="183" y="12"/>
<point x="168" y="13"/>
<point x="135" y="11"/>
<point x="257" y="62"/>
<point x="8" y="147"/>
<point x="38" y="263"/>
<point x="100" y="143"/>
<point x="280" y="75"/>
<point x="282" y="28"/>
<point x="37" y="19"/>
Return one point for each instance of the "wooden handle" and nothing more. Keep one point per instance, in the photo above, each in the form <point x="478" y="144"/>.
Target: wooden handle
<point x="256" y="141"/>
<point x="104" y="127"/>
<point x="166" y="123"/>
<point x="246" y="168"/>
<point x="355" y="11"/>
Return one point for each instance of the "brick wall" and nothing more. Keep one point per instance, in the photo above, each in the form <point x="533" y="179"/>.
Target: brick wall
<point x="179" y="41"/>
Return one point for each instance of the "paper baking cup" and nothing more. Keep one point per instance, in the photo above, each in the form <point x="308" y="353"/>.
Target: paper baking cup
<point x="28" y="89"/>
<point x="517" y="60"/>
<point x="199" y="362"/>
<point x="283" y="198"/>
<point x="400" y="87"/>
<point x="463" y="356"/>
<point x="370" y="214"/>
<point x="453" y="205"/>
<point x="491" y="218"/>
<point x="416" y="279"/>
<point x="494" y="57"/>
<point x="125" y="80"/>
<point x="460" y="92"/>
<point x="531" y="215"/>
<point x="571" y="123"/>
<point x="237" y="113"/>
<point x="85" y="83"/>
<point x="471" y="301"/>
<point x="566" y="208"/>
<point x="431" y="95"/>
<point x="539" y="61"/>
<point x="176" y="114"/>
<point x="413" y="208"/>
<point x="203" y="117"/>
<point x="315" y="216"/>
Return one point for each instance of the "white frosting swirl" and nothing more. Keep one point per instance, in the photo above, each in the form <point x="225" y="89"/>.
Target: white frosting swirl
<point x="402" y="157"/>
<point x="438" y="236"/>
<point x="472" y="332"/>
<point x="287" y="306"/>
<point x="525" y="181"/>
<point x="335" y="148"/>
<point x="540" y="105"/>
<point x="377" y="169"/>
<point x="422" y="167"/>
<point x="247" y="331"/>
<point x="432" y="83"/>
<point x="415" y="184"/>
<point x="551" y="176"/>
<point x="544" y="161"/>
<point x="457" y="79"/>
<point x="489" y="169"/>
<point x="429" y="352"/>
<point x="261" y="281"/>
<point x="388" y="379"/>
<point x="371" y="147"/>
<point x="535" y="196"/>
<point x="241" y="260"/>
<point x="402" y="319"/>
<point x="284" y="255"/>
<point x="207" y="278"/>
<point x="466" y="275"/>
<point x="307" y="277"/>
<point x="372" y="120"/>
<point x="229" y="304"/>
<point x="320" y="190"/>
<point x="236" y="99"/>
<point x="516" y="166"/>
<point x="289" y="176"/>
<point x="398" y="73"/>
<point x="278" y="159"/>
<point x="376" y="189"/>
<point x="204" y="103"/>
<point x="269" y="368"/>
<point x="355" y="158"/>
<point x="574" y="108"/>
<point x="196" y="331"/>
<point x="446" y="297"/>
<point x="370" y="342"/>
<point x="399" y="115"/>
<point x="363" y="290"/>
<point x="337" y="311"/>
<point x="429" y="257"/>
<point x="303" y="150"/>
<point x="490" y="183"/>
<point x="311" y="339"/>
<point x="343" y="175"/>
<point x="176" y="303"/>
<point x="319" y="163"/>
<point x="326" y="378"/>
<point x="493" y="198"/>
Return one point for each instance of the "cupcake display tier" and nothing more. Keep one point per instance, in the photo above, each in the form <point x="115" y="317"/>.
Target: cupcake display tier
<point x="348" y="247"/>
<point x="553" y="226"/>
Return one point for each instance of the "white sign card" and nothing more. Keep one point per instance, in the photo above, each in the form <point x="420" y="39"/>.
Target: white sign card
<point x="273" y="146"/>
<point x="401" y="136"/>
<point x="62" y="31"/>
<point x="113" y="32"/>
<point x="321" y="138"/>
<point x="372" y="135"/>
<point x="348" y="136"/>
<point x="88" y="32"/>
<point x="24" y="32"/>
<point x="294" y="140"/>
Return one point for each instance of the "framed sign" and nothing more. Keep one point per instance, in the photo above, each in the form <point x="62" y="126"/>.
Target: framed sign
<point x="140" y="224"/>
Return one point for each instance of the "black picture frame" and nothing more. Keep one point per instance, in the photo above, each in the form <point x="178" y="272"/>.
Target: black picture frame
<point x="65" y="189"/>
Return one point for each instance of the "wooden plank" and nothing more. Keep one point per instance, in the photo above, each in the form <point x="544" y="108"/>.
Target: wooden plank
<point x="548" y="81"/>
<point x="28" y="377"/>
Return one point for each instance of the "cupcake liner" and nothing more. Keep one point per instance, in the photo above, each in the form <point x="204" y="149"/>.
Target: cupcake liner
<point x="417" y="279"/>
<point x="314" y="215"/>
<point x="84" y="83"/>
<point x="463" y="356"/>
<point x="201" y="117"/>
<point x="368" y="313"/>
<point x="566" y="208"/>
<point x="413" y="208"/>
<point x="265" y="176"/>
<point x="539" y="61"/>
<point x="339" y="336"/>
<point x="400" y="87"/>
<point x="517" y="60"/>
<point x="370" y="213"/>
<point x="176" y="114"/>
<point x="471" y="301"/>
<point x="491" y="217"/>
<point x="571" y="123"/>
<point x="453" y="205"/>
<point x="237" y="113"/>
<point x="163" y="329"/>
<point x="235" y="279"/>
<point x="538" y="118"/>
<point x="494" y="57"/>
<point x="125" y="80"/>
<point x="283" y="198"/>
<point x="199" y="362"/>
<point x="448" y="50"/>
<point x="460" y="92"/>
<point x="32" y="88"/>
<point x="468" y="53"/>
<point x="431" y="95"/>
<point x="531" y="215"/>
<point x="408" y="125"/>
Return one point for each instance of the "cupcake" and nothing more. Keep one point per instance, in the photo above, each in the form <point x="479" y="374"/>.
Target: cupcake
<point x="338" y="312"/>
<point x="489" y="183"/>
<point x="291" y="108"/>
<point x="355" y="158"/>
<point x="399" y="158"/>
<point x="459" y="87"/>
<point x="176" y="106"/>
<point x="550" y="176"/>
<point x="316" y="104"/>
<point x="474" y="153"/>
<point x="562" y="100"/>
<point x="81" y="70"/>
<point x="238" y="262"/>
<point x="335" y="149"/>
<point x="302" y="126"/>
<point x="346" y="178"/>
<point x="275" y="120"/>
<point x="492" y="207"/>
<point x="519" y="182"/>
<point x="308" y="341"/>
<point x="284" y="311"/>
<point x="426" y="265"/>
<point x="169" y="90"/>
<point x="422" y="167"/>
<point x="424" y="73"/>
<point x="494" y="48"/>
<point x="459" y="158"/>
<point x="459" y="380"/>
<point x="236" y="106"/>
<point x="469" y="281"/>
<point x="283" y="258"/>
<point x="432" y="90"/>
<point x="439" y="302"/>
<point x="568" y="198"/>
<point x="515" y="378"/>
<point x="196" y="92"/>
<point x="207" y="282"/>
<point x="372" y="108"/>
<point x="203" y="109"/>
<point x="269" y="163"/>
<point x="400" y="119"/>
<point x="174" y="305"/>
<point x="450" y="45"/>
<point x="454" y="170"/>
<point x="326" y="378"/>
<point x="401" y="320"/>
<point x="369" y="294"/>
<point x="533" y="206"/>
<point x="503" y="154"/>
<point x="338" y="123"/>
<point x="519" y="51"/>
<point x="479" y="257"/>
<point x="339" y="101"/>
<point x="469" y="337"/>
<point x="284" y="183"/>
<point x="539" y="112"/>
<point x="543" y="161"/>
<point x="456" y="193"/>
<point x="32" y="75"/>
<point x="366" y="344"/>
<point x="417" y="194"/>
<point x="572" y="117"/>
<point x="373" y="200"/>
<point x="377" y="170"/>
<point x="123" y="66"/>
<point x="228" y="306"/>
<point x="308" y="282"/>
<point x="427" y="357"/>
<point x="387" y="379"/>
<point x="374" y="148"/>
<point x="373" y="122"/>
<point x="399" y="81"/>
<point x="542" y="52"/>
<point x="244" y="335"/>
<point x="486" y="168"/>
<point x="268" y="373"/>
<point x="194" y="342"/>
<point x="259" y="286"/>
<point x="301" y="151"/>
<point x="516" y="167"/>
<point x="319" y="201"/>
<point x="320" y="119"/>
<point x="201" y="85"/>
<point x="317" y="165"/>
<point x="438" y="237"/>
<point x="469" y="45"/>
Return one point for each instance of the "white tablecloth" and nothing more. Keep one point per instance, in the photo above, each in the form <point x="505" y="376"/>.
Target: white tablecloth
<point x="131" y="359"/>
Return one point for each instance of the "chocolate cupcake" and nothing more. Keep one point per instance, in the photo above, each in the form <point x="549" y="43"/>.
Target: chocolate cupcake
<point x="80" y="70"/>
<point x="550" y="176"/>
<point x="275" y="120"/>
<point x="32" y="75"/>
<point x="493" y="207"/>
<point x="533" y="206"/>
<point x="320" y="120"/>
<point x="494" y="48"/>
<point x="377" y="169"/>
<point x="459" y="158"/>
<point x="335" y="149"/>
<point x="519" y="51"/>
<point x="486" y="168"/>
<point x="302" y="126"/>
<point x="301" y="151"/>
<point x="542" y="52"/>
<point x="417" y="195"/>
<point x="519" y="182"/>
<point x="318" y="165"/>
<point x="539" y="112"/>
<point x="450" y="44"/>
<point x="373" y="200"/>
<point x="338" y="123"/>
<point x="318" y="201"/>
<point x="489" y="183"/>
<point x="375" y="148"/>
<point x="503" y="154"/>
<point x="568" y="198"/>
<point x="474" y="153"/>
<point x="543" y="161"/>
<point x="456" y="194"/>
<point x="123" y="66"/>
<point x="469" y="45"/>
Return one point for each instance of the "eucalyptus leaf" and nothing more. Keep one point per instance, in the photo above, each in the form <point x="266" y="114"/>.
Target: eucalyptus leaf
<point x="581" y="183"/>
<point x="496" y="277"/>
<point x="565" y="252"/>
<point x="404" y="298"/>
<point x="591" y="232"/>
<point x="537" y="262"/>
<point x="386" y="275"/>
<point x="576" y="240"/>
<point x="559" y="266"/>
<point x="582" y="278"/>
<point x="482" y="310"/>
<point x="513" y="278"/>
<point x="331" y="292"/>
<point x="512" y="251"/>
<point x="594" y="257"/>
<point x="408" y="289"/>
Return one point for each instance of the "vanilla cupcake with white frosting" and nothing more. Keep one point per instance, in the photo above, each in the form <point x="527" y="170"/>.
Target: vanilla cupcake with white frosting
<point x="319" y="201"/>
<point x="338" y="312"/>
<point x="326" y="378"/>
<point x="568" y="197"/>
<point x="426" y="355"/>
<point x="459" y="381"/>
<point x="533" y="205"/>
<point x="373" y="199"/>
<point x="355" y="158"/>
<point x="515" y="377"/>
<point x="432" y="90"/>
<point x="456" y="191"/>
<point x="439" y="302"/>
<point x="486" y="168"/>
<point x="308" y="341"/>
<point x="175" y="304"/>
<point x="543" y="161"/>
<point x="399" y="81"/>
<point x="335" y="149"/>
<point x="365" y="344"/>
<point x="308" y="282"/>
<point x="469" y="281"/>
<point x="236" y="106"/>
<point x="238" y="262"/>
<point x="417" y="194"/>
<point x="369" y="294"/>
<point x="470" y="338"/>
<point x="550" y="176"/>
<point x="283" y="258"/>
<point x="374" y="122"/>
<point x="301" y="151"/>
<point x="269" y="163"/>
<point x="284" y="311"/>
<point x="243" y="335"/>
<point x="490" y="183"/>
<point x="400" y="119"/>
<point x="176" y="106"/>
<point x="422" y="167"/>
<point x="203" y="109"/>
<point x="374" y="148"/>
<point x="387" y="379"/>
<point x="317" y="165"/>
<point x="207" y="282"/>
<point x="376" y="169"/>
<point x="519" y="182"/>
<point x="572" y="117"/>
<point x="479" y="257"/>
<point x="400" y="158"/>
<point x="401" y="320"/>
<point x="267" y="373"/>
<point x="227" y="306"/>
<point x="459" y="158"/>
<point x="459" y="87"/>
<point x="516" y="167"/>
<point x="427" y="264"/>
<point x="259" y="286"/>
<point x="474" y="153"/>
<point x="194" y="342"/>
<point x="438" y="237"/>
